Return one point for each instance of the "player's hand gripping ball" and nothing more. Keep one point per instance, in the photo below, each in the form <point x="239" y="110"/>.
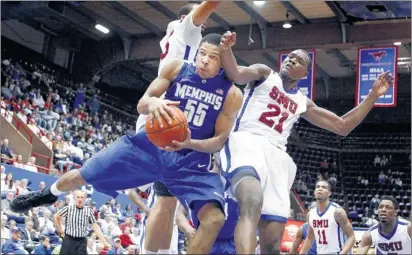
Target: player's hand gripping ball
<point x="162" y="135"/>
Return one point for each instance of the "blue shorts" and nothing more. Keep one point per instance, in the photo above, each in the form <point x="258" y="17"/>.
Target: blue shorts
<point x="133" y="161"/>
<point x="224" y="246"/>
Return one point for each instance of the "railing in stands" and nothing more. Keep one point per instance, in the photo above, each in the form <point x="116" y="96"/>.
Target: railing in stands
<point x="40" y="169"/>
<point x="297" y="197"/>
<point x="18" y="121"/>
<point x="48" y="159"/>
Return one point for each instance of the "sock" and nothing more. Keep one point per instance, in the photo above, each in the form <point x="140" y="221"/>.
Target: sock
<point x="164" y="251"/>
<point x="144" y="251"/>
<point x="54" y="190"/>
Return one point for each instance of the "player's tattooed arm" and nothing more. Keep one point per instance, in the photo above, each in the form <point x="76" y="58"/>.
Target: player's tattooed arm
<point x="183" y="223"/>
<point x="239" y="74"/>
<point x="223" y="125"/>
<point x="308" y="241"/>
<point x="365" y="243"/>
<point x="343" y="221"/>
<point x="151" y="104"/>
<point x="345" y="124"/>
<point x="137" y="200"/>
<point x="297" y="241"/>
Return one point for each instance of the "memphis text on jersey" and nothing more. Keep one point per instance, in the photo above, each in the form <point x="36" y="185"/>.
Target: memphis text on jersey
<point x="185" y="91"/>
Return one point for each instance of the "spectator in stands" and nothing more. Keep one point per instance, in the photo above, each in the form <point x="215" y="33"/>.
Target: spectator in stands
<point x="374" y="202"/>
<point x="19" y="162"/>
<point x="28" y="233"/>
<point x="125" y="238"/>
<point x="5" y="91"/>
<point x="371" y="221"/>
<point x="128" y="211"/>
<point x="38" y="100"/>
<point x="5" y="232"/>
<point x="31" y="165"/>
<point x="377" y="160"/>
<point x="44" y="247"/>
<point x="398" y="183"/>
<point x="5" y="149"/>
<point x="364" y="181"/>
<point x="333" y="180"/>
<point x="382" y="178"/>
<point x="8" y="185"/>
<point x="88" y="189"/>
<point x="3" y="173"/>
<point x="14" y="245"/>
<point x="46" y="223"/>
<point x="91" y="246"/>
<point x="117" y="247"/>
<point x="353" y="214"/>
<point x="93" y="105"/>
<point x="22" y="188"/>
<point x="42" y="185"/>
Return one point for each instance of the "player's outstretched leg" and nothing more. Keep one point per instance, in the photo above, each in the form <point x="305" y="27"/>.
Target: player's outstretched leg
<point x="159" y="226"/>
<point x="270" y="235"/>
<point x="69" y="181"/>
<point x="211" y="219"/>
<point x="249" y="196"/>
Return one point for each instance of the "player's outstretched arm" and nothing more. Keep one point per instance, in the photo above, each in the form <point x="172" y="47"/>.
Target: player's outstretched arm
<point x="150" y="104"/>
<point x="223" y="125"/>
<point x="344" y="125"/>
<point x="202" y="13"/>
<point x="183" y="223"/>
<point x="137" y="200"/>
<point x="297" y="241"/>
<point x="409" y="229"/>
<point x="343" y="221"/>
<point x="308" y="241"/>
<point x="239" y="74"/>
<point x="365" y="243"/>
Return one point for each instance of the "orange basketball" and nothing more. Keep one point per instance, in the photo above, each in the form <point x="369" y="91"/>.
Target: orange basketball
<point x="164" y="136"/>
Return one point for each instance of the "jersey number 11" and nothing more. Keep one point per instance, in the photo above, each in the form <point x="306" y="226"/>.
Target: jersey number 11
<point x="322" y="237"/>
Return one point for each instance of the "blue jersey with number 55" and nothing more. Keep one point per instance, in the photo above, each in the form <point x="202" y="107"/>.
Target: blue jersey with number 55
<point x="200" y="99"/>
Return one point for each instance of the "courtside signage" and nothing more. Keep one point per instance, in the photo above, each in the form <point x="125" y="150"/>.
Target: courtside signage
<point x="371" y="62"/>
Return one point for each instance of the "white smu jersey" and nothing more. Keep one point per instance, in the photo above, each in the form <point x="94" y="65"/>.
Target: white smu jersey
<point x="181" y="41"/>
<point x="328" y="233"/>
<point x="268" y="110"/>
<point x="398" y="242"/>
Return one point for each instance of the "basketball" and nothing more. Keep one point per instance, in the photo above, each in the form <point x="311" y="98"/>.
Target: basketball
<point x="164" y="136"/>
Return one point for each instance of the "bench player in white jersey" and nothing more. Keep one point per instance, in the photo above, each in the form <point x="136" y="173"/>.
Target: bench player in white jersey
<point x="181" y="41"/>
<point x="328" y="224"/>
<point x="254" y="160"/>
<point x="391" y="235"/>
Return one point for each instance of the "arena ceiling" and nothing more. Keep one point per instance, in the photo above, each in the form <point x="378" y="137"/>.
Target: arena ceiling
<point x="334" y="28"/>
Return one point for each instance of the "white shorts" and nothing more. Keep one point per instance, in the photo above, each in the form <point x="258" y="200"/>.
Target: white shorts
<point x="275" y="169"/>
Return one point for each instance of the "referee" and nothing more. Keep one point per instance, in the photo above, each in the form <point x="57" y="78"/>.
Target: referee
<point x="78" y="217"/>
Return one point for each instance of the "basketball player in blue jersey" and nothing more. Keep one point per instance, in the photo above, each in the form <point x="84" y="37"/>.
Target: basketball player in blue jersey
<point x="212" y="103"/>
<point x="254" y="159"/>
<point x="391" y="235"/>
<point x="225" y="241"/>
<point x="181" y="41"/>
<point x="301" y="236"/>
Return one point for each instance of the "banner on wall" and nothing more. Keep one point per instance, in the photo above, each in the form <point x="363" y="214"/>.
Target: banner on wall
<point x="371" y="62"/>
<point x="307" y="84"/>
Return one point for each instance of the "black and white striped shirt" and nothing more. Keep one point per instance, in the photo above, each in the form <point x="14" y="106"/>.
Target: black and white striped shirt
<point x="77" y="220"/>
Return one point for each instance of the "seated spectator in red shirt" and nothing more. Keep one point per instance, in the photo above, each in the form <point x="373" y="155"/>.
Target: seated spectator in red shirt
<point x="127" y="223"/>
<point x="125" y="238"/>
